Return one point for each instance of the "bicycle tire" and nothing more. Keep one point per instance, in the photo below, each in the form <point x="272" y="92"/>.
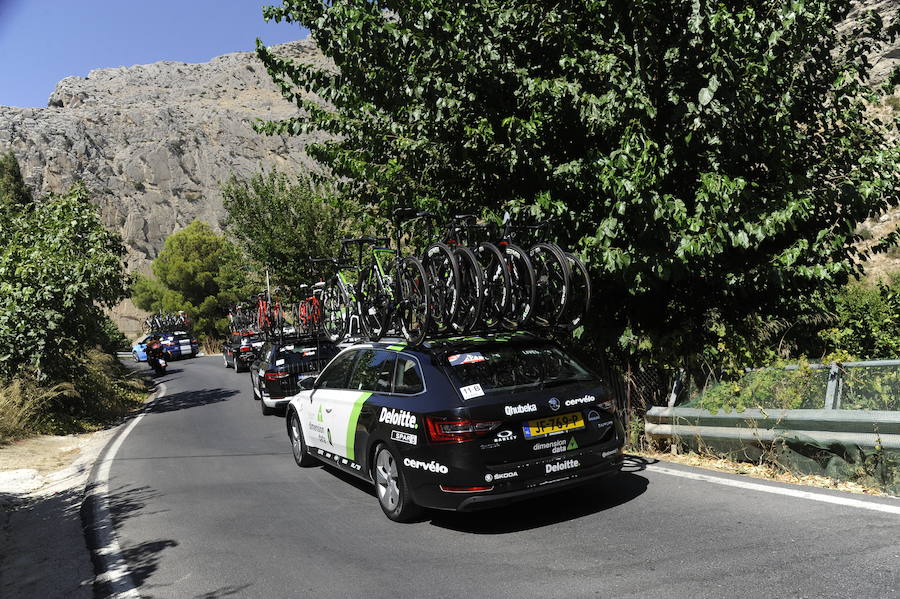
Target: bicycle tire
<point x="471" y="290"/>
<point x="522" y="286"/>
<point x="442" y="273"/>
<point x="552" y="277"/>
<point x="336" y="311"/>
<point x="496" y="284"/>
<point x="374" y="305"/>
<point x="580" y="297"/>
<point x="414" y="312"/>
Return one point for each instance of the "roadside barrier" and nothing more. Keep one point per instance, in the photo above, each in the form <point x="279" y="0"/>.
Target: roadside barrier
<point x="860" y="445"/>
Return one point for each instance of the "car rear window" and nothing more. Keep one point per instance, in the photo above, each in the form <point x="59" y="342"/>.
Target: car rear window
<point x="507" y="369"/>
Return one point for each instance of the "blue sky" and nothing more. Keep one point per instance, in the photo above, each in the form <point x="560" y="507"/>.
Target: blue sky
<point x="43" y="41"/>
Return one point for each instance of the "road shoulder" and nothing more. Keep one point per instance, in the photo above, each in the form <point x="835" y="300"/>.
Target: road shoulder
<point x="42" y="487"/>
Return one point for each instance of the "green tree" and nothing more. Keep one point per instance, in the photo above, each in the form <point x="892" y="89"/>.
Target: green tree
<point x="867" y="320"/>
<point x="709" y="160"/>
<point x="58" y="266"/>
<point x="281" y="223"/>
<point x="198" y="271"/>
<point x="13" y="191"/>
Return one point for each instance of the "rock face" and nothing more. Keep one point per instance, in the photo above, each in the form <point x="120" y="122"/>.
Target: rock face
<point x="153" y="143"/>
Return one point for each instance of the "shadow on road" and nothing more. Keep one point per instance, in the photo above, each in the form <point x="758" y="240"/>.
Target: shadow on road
<point x="190" y="399"/>
<point x="142" y="558"/>
<point x="226" y="591"/>
<point x="42" y="551"/>
<point x="591" y="498"/>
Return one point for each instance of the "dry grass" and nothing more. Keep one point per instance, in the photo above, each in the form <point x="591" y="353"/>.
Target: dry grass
<point x="761" y="471"/>
<point x="101" y="391"/>
<point x="211" y="346"/>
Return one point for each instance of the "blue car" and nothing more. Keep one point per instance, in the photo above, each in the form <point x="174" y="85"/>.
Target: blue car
<point x="139" y="349"/>
<point x="179" y="344"/>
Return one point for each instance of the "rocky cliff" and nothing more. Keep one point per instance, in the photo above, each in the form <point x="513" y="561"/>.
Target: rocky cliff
<point x="154" y="142"/>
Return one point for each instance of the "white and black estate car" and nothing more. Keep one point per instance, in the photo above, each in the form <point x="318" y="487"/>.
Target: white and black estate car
<point x="459" y="423"/>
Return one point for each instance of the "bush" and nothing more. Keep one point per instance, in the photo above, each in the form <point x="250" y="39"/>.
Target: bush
<point x="99" y="390"/>
<point x="58" y="266"/>
<point x="867" y="320"/>
<point x="774" y="387"/>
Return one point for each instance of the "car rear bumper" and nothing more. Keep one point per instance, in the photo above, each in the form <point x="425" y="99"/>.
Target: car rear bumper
<point x="432" y="496"/>
<point x="479" y="502"/>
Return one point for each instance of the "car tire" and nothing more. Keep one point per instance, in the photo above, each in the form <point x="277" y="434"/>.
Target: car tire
<point x="225" y="359"/>
<point x="237" y="365"/>
<point x="253" y="392"/>
<point x="391" y="487"/>
<point x="266" y="410"/>
<point x="298" y="444"/>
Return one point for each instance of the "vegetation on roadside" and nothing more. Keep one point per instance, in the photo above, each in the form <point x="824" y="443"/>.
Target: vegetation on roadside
<point x="198" y="271"/>
<point x="280" y="223"/>
<point x="711" y="189"/>
<point x="59" y="267"/>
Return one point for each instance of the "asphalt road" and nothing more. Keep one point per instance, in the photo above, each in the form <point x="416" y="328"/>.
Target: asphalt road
<point x="207" y="502"/>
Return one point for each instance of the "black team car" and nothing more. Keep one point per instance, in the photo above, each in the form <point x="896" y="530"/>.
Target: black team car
<point x="239" y="351"/>
<point x="280" y="367"/>
<point x="460" y="423"/>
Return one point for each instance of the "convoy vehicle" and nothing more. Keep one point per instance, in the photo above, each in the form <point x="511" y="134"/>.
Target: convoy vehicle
<point x="139" y="349"/>
<point x="179" y="344"/>
<point x="240" y="349"/>
<point x="280" y="367"/>
<point x="459" y="423"/>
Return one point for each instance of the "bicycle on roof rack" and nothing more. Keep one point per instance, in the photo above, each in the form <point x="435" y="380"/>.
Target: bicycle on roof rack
<point x="340" y="303"/>
<point x="394" y="289"/>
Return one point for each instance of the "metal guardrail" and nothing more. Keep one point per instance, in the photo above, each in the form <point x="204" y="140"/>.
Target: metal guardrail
<point x="863" y="428"/>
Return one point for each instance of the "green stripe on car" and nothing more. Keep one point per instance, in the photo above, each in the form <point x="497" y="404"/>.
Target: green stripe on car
<point x="351" y="426"/>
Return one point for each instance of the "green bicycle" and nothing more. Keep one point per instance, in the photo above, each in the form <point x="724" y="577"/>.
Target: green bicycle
<point x="395" y="288"/>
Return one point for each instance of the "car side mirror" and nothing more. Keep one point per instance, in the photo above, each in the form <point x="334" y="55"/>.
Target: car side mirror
<point x="308" y="383"/>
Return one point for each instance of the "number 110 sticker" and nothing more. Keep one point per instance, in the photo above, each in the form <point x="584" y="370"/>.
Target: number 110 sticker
<point x="471" y="391"/>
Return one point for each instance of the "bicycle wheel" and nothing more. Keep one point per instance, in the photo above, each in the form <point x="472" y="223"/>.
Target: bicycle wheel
<point x="375" y="303"/>
<point x="496" y="288"/>
<point x="521" y="275"/>
<point x="471" y="295"/>
<point x="580" y="297"/>
<point x="552" y="277"/>
<point x="414" y="311"/>
<point x="336" y="311"/>
<point x="442" y="273"/>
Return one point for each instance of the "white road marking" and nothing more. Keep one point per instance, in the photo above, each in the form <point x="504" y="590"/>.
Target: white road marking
<point x="845" y="501"/>
<point x="115" y="568"/>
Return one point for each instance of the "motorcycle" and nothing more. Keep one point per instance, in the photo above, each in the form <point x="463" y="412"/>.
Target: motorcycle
<point x="155" y="359"/>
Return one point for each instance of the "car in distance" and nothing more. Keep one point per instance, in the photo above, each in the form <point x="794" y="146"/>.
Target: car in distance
<point x="179" y="344"/>
<point x="458" y="424"/>
<point x="239" y="350"/>
<point x="139" y="349"/>
<point x="281" y="366"/>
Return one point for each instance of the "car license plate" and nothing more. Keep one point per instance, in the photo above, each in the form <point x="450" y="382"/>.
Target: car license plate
<point x="553" y="425"/>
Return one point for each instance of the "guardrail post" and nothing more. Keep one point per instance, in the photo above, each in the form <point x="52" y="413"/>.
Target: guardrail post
<point x="831" y="391"/>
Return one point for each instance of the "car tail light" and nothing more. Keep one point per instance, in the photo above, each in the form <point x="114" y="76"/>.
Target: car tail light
<point x="246" y="348"/>
<point x="275" y="376"/>
<point x="442" y="430"/>
<point x="449" y="489"/>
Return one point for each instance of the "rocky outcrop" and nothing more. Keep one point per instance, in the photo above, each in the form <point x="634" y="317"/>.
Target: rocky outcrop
<point x="153" y="143"/>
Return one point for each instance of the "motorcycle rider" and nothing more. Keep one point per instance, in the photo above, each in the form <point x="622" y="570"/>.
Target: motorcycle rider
<point x="155" y="354"/>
